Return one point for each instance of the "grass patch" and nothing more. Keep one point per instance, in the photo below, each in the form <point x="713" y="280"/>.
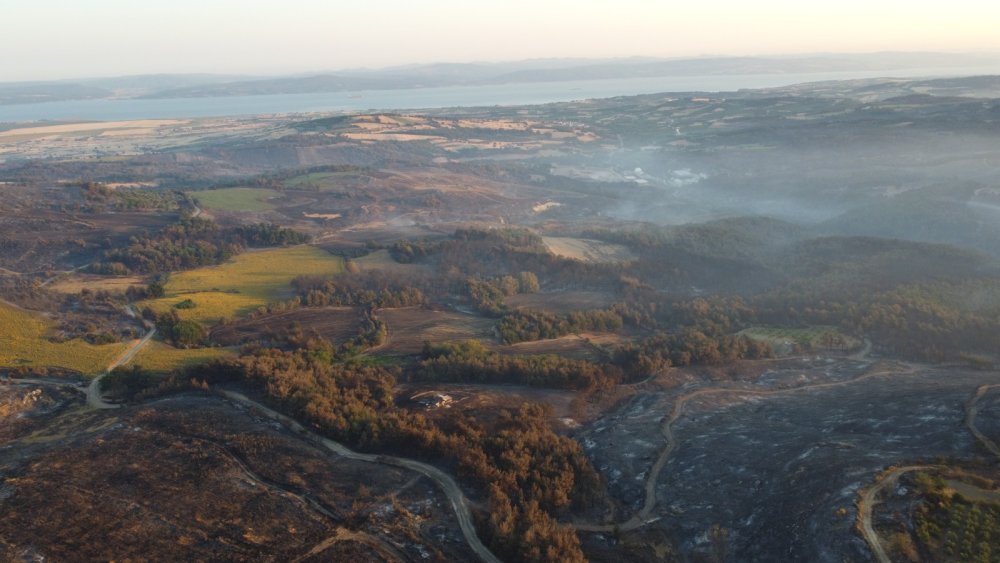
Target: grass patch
<point x="23" y="343"/>
<point x="159" y="357"/>
<point x="236" y="199"/>
<point x="75" y="283"/>
<point x="812" y="337"/>
<point x="248" y="281"/>
<point x="382" y="260"/>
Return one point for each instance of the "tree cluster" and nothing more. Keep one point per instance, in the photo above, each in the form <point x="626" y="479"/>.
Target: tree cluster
<point x="527" y="472"/>
<point x="190" y="243"/>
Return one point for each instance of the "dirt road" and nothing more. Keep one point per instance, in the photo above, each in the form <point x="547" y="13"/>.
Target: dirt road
<point x="642" y="517"/>
<point x="458" y="501"/>
<point x="95" y="399"/>
<point x="971" y="410"/>
<point x="867" y="503"/>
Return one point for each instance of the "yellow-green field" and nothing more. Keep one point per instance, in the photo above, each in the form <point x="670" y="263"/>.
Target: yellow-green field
<point x="23" y="343"/>
<point x="75" y="283"/>
<point x="248" y="281"/>
<point x="160" y="357"/>
<point x="236" y="199"/>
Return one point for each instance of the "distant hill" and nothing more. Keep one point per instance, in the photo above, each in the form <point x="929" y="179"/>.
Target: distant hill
<point x="37" y="93"/>
<point x="575" y="69"/>
<point x="479" y="74"/>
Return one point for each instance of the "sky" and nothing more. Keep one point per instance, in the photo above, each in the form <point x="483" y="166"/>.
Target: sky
<point x="58" y="39"/>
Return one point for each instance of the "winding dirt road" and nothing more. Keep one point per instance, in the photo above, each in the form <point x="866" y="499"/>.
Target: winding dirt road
<point x="869" y="498"/>
<point x="458" y="501"/>
<point x="868" y="502"/>
<point x="971" y="410"/>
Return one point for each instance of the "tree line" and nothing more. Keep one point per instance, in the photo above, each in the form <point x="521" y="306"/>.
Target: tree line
<point x="190" y="243"/>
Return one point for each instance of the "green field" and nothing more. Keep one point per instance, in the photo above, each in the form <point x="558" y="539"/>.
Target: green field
<point x="236" y="199"/>
<point x="23" y="343"/>
<point x="248" y="281"/>
<point x="159" y="357"/>
<point x="813" y="337"/>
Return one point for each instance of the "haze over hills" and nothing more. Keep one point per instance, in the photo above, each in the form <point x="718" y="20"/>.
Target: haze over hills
<point x="479" y="74"/>
<point x="677" y="326"/>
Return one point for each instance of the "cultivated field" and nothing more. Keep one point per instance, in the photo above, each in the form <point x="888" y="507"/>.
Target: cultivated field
<point x="23" y="343"/>
<point x="94" y="128"/>
<point x="75" y="283"/>
<point x="236" y="199"/>
<point x="248" y="281"/>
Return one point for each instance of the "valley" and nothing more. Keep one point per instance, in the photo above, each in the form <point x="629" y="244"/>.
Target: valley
<point x="731" y="326"/>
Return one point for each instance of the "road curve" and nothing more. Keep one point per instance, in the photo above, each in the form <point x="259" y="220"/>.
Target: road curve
<point x="971" y="410"/>
<point x="447" y="484"/>
<point x="867" y="503"/>
<point x="642" y="517"/>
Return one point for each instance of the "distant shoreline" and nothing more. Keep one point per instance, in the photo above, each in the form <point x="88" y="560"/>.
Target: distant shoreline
<point x="513" y="94"/>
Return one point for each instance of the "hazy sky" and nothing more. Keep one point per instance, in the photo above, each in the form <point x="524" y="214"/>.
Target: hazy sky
<point x="46" y="39"/>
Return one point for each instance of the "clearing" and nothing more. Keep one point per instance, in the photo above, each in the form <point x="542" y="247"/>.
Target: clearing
<point x="811" y="338"/>
<point x="561" y="302"/>
<point x="236" y="199"/>
<point x="584" y="346"/>
<point x="160" y="357"/>
<point x="587" y="250"/>
<point x="382" y="260"/>
<point x="409" y="327"/>
<point x="94" y="127"/>
<point x="336" y="324"/>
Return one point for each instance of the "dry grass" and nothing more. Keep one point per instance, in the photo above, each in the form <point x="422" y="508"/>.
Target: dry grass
<point x="561" y="302"/>
<point x="336" y="324"/>
<point x="76" y="283"/>
<point x="409" y="327"/>
<point x="577" y="346"/>
<point x="148" y="124"/>
<point x="382" y="260"/>
<point x="160" y="357"/>
<point x="23" y="343"/>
